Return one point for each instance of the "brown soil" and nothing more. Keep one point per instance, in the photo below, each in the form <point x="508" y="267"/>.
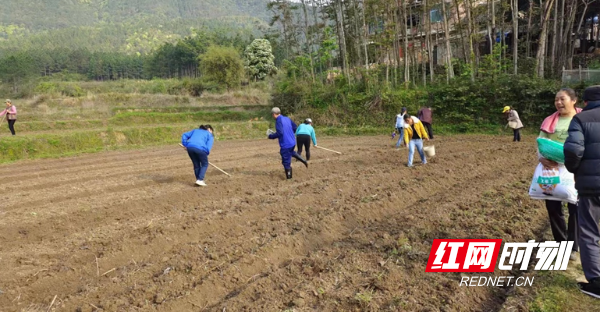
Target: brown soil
<point x="351" y="233"/>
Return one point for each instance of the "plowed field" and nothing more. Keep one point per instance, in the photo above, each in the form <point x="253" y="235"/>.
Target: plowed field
<point x="128" y="231"/>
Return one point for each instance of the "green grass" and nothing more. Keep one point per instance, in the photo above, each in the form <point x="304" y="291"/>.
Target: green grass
<point x="557" y="292"/>
<point x="77" y="142"/>
<point x="126" y="119"/>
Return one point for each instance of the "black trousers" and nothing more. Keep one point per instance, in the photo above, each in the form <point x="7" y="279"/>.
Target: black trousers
<point x="560" y="231"/>
<point x="11" y="126"/>
<point x="517" y="135"/>
<point x="429" y="129"/>
<point x="303" y="140"/>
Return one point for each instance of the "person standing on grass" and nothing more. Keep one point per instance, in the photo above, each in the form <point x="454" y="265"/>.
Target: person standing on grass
<point x="425" y="115"/>
<point x="514" y="122"/>
<point x="582" y="158"/>
<point x="304" y="134"/>
<point x="556" y="128"/>
<point x="198" y="143"/>
<point x="11" y="115"/>
<point x="400" y="127"/>
<point x="285" y="130"/>
<point x="413" y="137"/>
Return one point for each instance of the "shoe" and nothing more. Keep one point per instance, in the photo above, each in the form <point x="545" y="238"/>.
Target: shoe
<point x="573" y="256"/>
<point x="591" y="289"/>
<point x="200" y="183"/>
<point x="288" y="173"/>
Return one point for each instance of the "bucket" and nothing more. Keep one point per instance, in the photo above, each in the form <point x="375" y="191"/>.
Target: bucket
<point x="429" y="151"/>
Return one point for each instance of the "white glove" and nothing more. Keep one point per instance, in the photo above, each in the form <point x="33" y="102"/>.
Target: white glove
<point x="269" y="132"/>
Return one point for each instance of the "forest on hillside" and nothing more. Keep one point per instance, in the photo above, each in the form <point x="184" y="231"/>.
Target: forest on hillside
<point x="39" y="15"/>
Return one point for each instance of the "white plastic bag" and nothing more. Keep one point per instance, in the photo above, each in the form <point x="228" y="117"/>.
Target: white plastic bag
<point x="553" y="184"/>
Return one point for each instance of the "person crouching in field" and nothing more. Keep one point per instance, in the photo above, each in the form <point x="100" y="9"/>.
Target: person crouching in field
<point x="514" y="122"/>
<point x="304" y="134"/>
<point x="285" y="130"/>
<point x="198" y="143"/>
<point x="414" y="133"/>
<point x="11" y="115"/>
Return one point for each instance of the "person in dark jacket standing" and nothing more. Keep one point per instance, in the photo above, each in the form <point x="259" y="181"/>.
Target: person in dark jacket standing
<point x="425" y="115"/>
<point x="582" y="158"/>
<point x="285" y="132"/>
<point x="198" y="143"/>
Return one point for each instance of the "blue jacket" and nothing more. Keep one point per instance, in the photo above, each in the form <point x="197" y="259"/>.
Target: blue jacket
<point x="198" y="138"/>
<point x="308" y="130"/>
<point x="285" y="129"/>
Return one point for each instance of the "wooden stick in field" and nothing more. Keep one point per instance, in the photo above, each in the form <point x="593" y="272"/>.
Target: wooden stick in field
<point x="211" y="164"/>
<point x="317" y="146"/>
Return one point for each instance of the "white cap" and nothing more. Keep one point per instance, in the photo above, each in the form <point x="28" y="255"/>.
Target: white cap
<point x="308" y="120"/>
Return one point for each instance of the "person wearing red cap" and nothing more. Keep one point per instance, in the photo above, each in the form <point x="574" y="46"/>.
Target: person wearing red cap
<point x="582" y="158"/>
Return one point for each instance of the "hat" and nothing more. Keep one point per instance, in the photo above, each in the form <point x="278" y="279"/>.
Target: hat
<point x="506" y="109"/>
<point x="308" y="120"/>
<point x="403" y="109"/>
<point x="8" y="101"/>
<point x="591" y="94"/>
<point x="276" y="110"/>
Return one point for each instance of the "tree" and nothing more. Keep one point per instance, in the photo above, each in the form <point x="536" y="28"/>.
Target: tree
<point x="259" y="60"/>
<point x="222" y="65"/>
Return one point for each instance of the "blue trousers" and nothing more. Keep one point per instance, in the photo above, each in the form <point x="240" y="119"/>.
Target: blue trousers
<point x="401" y="136"/>
<point x="286" y="156"/>
<point x="411" y="151"/>
<point x="200" y="161"/>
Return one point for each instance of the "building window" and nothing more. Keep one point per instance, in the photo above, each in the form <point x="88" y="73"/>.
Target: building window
<point x="435" y="15"/>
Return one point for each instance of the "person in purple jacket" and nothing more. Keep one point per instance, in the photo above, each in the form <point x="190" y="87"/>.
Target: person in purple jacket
<point x="286" y="134"/>
<point x="425" y="116"/>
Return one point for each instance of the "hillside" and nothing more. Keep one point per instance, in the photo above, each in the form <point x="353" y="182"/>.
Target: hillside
<point x="36" y="15"/>
<point x="127" y="26"/>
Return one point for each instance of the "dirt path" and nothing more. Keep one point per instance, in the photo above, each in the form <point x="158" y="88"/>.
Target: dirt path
<point x="352" y="232"/>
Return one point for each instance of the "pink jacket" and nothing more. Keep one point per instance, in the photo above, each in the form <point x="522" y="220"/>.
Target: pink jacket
<point x="11" y="110"/>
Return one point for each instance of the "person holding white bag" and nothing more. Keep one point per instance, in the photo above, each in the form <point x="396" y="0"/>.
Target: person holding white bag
<point x="556" y="128"/>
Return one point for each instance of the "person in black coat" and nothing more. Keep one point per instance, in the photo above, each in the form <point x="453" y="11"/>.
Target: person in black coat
<point x="582" y="158"/>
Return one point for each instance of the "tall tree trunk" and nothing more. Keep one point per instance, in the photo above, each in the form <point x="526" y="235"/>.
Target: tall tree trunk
<point x="568" y="60"/>
<point x="450" y="69"/>
<point x="470" y="29"/>
<point x="489" y="27"/>
<point x="541" y="53"/>
<point x="365" y="34"/>
<point x="357" y="34"/>
<point x="317" y="32"/>
<point x="428" y="39"/>
<point x="405" y="54"/>
<point x="528" y="36"/>
<point x="342" y="38"/>
<point x="554" y="38"/>
<point x="461" y="30"/>
<point x="308" y="41"/>
<point x="515" y="17"/>
<point x="493" y="24"/>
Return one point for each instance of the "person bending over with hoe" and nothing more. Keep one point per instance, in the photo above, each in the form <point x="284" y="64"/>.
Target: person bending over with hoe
<point x="413" y="137"/>
<point x="304" y="134"/>
<point x="11" y="116"/>
<point x="285" y="129"/>
<point x="198" y="143"/>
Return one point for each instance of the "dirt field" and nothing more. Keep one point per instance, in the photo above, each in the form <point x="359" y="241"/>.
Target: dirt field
<point x="127" y="231"/>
